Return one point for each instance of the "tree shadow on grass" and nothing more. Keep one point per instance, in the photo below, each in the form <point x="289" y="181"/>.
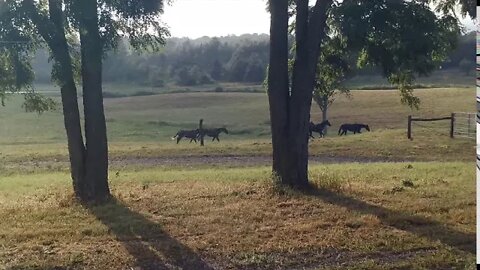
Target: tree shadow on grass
<point x="418" y="225"/>
<point x="145" y="240"/>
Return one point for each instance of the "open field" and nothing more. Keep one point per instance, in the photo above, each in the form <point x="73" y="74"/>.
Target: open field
<point x="140" y="129"/>
<point x="439" y="79"/>
<point x="378" y="146"/>
<point x="377" y="216"/>
<point x="157" y="118"/>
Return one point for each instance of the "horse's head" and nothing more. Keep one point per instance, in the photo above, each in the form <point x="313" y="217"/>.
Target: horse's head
<point x="367" y="127"/>
<point x="328" y="123"/>
<point x="224" y="130"/>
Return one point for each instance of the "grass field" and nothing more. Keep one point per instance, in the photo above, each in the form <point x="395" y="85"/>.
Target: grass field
<point x="377" y="216"/>
<point x="385" y="203"/>
<point x="157" y="118"/>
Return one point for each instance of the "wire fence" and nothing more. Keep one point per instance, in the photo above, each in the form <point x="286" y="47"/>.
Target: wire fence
<point x="465" y="125"/>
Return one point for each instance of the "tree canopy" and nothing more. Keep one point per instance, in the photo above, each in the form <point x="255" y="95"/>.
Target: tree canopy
<point x="404" y="38"/>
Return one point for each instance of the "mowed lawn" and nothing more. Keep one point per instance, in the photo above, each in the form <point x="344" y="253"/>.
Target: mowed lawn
<point x="358" y="216"/>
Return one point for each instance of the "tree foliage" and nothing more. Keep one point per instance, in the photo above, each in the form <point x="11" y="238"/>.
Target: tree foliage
<point x="333" y="69"/>
<point x="405" y="38"/>
<point x="18" y="44"/>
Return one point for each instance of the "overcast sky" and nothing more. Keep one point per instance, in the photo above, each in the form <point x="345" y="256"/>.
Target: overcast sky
<point x="197" y="18"/>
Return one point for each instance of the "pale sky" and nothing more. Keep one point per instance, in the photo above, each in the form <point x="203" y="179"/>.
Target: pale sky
<point x="197" y="18"/>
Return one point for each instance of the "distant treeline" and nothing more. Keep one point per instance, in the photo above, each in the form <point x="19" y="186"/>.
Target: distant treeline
<point x="206" y="60"/>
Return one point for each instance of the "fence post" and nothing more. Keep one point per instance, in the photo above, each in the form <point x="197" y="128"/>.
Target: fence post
<point x="452" y="124"/>
<point x="469" y="125"/>
<point x="200" y="131"/>
<point x="409" y="127"/>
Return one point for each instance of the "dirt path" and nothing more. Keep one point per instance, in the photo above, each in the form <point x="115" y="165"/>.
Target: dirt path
<point x="189" y="161"/>
<point x="230" y="160"/>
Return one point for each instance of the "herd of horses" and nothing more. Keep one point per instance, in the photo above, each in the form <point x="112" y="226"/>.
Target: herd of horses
<point x="214" y="133"/>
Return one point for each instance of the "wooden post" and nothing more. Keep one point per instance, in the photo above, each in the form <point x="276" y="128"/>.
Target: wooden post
<point x="469" y="125"/>
<point x="200" y="131"/>
<point x="409" y="128"/>
<point x="452" y="124"/>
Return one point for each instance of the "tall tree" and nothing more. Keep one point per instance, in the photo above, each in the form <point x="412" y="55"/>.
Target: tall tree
<point x="100" y="24"/>
<point x="404" y="37"/>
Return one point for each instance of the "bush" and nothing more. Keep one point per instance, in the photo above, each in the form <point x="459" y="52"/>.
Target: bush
<point x="219" y="89"/>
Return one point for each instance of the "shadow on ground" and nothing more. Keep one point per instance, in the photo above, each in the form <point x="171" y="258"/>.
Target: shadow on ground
<point x="418" y="225"/>
<point x="145" y="240"/>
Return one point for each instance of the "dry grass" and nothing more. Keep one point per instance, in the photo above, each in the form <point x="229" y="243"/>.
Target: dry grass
<point x="358" y="217"/>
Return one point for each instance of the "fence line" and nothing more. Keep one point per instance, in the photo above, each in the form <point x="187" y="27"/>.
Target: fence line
<point x="462" y="124"/>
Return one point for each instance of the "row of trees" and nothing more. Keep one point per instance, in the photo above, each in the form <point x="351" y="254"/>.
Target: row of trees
<point x="226" y="59"/>
<point x="182" y="61"/>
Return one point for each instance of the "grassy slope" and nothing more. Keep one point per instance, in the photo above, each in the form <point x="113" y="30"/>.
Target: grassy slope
<point x="361" y="217"/>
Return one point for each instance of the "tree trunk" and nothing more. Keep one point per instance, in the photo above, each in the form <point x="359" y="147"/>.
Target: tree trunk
<point x="290" y="112"/>
<point x="96" y="172"/>
<point x="278" y="86"/>
<point x="200" y="131"/>
<point x="53" y="32"/>
<point x="299" y="119"/>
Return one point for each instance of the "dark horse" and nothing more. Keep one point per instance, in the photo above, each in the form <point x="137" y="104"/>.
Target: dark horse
<point x="214" y="133"/>
<point x="318" y="128"/>
<point x="355" y="128"/>
<point x="190" y="134"/>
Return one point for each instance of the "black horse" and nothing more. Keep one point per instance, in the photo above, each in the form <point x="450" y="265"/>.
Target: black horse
<point x="214" y="133"/>
<point x="190" y="134"/>
<point x="355" y="128"/>
<point x="318" y="128"/>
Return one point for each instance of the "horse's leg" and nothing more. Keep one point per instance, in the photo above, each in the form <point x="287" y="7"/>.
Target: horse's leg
<point x="218" y="139"/>
<point x="213" y="139"/>
<point x="178" y="139"/>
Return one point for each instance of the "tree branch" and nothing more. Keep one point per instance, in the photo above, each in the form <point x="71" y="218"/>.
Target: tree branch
<point x="41" y="21"/>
